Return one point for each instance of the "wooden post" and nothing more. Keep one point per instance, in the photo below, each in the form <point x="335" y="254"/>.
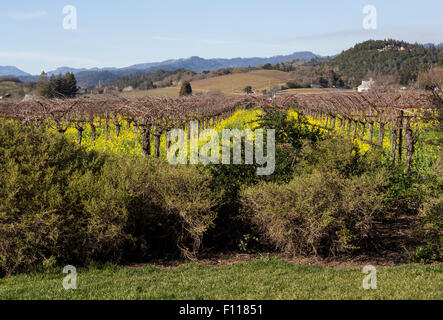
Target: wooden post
<point x="393" y="142"/>
<point x="107" y="129"/>
<point x="79" y="134"/>
<point x="117" y="129"/>
<point x="93" y="131"/>
<point x="168" y="143"/>
<point x="381" y="134"/>
<point x="371" y="126"/>
<point x="410" y="147"/>
<point x="400" y="136"/>
<point x="146" y="147"/>
<point x="157" y="135"/>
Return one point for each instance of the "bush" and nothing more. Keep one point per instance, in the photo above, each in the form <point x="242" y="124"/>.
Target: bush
<point x="41" y="209"/>
<point x="430" y="230"/>
<point x="339" y="154"/>
<point x="291" y="135"/>
<point x="60" y="204"/>
<point x="170" y="209"/>
<point x="185" y="89"/>
<point x="320" y="213"/>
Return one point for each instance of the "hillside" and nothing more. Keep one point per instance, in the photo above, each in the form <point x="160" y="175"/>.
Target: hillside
<point x="12" y="71"/>
<point x="91" y="77"/>
<point x="228" y="84"/>
<point x="383" y="57"/>
<point x="14" y="87"/>
<point x="198" y="64"/>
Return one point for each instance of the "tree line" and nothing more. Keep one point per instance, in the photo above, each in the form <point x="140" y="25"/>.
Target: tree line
<point x="57" y="87"/>
<point x="400" y="59"/>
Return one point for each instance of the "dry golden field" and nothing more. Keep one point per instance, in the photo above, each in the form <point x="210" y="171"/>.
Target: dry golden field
<point x="259" y="80"/>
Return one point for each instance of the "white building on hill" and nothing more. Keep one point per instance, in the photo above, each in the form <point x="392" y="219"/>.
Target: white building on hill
<point x="365" y="85"/>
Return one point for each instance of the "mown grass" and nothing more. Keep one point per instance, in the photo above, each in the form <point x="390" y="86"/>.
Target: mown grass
<point x="266" y="278"/>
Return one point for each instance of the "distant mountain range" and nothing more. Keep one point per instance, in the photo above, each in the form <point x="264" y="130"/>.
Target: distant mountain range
<point x="438" y="46"/>
<point x="198" y="64"/>
<point x="91" y="77"/>
<point x="12" y="71"/>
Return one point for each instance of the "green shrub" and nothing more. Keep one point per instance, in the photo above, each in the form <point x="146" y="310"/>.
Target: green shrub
<point x="430" y="230"/>
<point x="41" y="213"/>
<point x="60" y="204"/>
<point x="338" y="154"/>
<point x="171" y="206"/>
<point x="320" y="213"/>
<point x="290" y="135"/>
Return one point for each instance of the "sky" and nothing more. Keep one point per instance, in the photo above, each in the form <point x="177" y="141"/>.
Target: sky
<point x="34" y="36"/>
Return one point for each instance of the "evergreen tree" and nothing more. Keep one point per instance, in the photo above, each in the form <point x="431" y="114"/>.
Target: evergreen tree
<point x="323" y="82"/>
<point x="71" y="85"/>
<point x="52" y="88"/>
<point x="43" y="86"/>
<point x="440" y="59"/>
<point x="186" y="89"/>
<point x="60" y="90"/>
<point x="248" y="90"/>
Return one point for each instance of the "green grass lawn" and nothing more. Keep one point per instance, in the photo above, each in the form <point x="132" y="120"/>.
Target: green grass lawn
<point x="259" y="279"/>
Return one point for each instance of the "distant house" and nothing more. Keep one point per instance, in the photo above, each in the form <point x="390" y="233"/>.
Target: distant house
<point x="29" y="97"/>
<point x="128" y="89"/>
<point x="365" y="85"/>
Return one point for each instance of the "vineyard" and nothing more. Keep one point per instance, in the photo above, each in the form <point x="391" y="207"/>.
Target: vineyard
<point x="86" y="179"/>
<point x="365" y="117"/>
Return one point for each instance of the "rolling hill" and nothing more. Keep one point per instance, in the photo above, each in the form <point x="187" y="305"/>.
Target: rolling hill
<point x="383" y="57"/>
<point x="229" y="84"/>
<point x="198" y="64"/>
<point x="12" y="71"/>
<point x="91" y="77"/>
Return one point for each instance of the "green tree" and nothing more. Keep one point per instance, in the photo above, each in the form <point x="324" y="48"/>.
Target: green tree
<point x="324" y="83"/>
<point x="52" y="87"/>
<point x="43" y="85"/>
<point x="186" y="89"/>
<point x="440" y="59"/>
<point x="70" y="85"/>
<point x="60" y="87"/>
<point x="248" y="90"/>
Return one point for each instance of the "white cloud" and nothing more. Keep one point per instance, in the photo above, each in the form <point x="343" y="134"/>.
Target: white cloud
<point x="27" y="15"/>
<point x="42" y="56"/>
<point x="204" y="41"/>
<point x="337" y="34"/>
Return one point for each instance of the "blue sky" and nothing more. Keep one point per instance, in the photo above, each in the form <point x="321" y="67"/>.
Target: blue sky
<point x="122" y="33"/>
